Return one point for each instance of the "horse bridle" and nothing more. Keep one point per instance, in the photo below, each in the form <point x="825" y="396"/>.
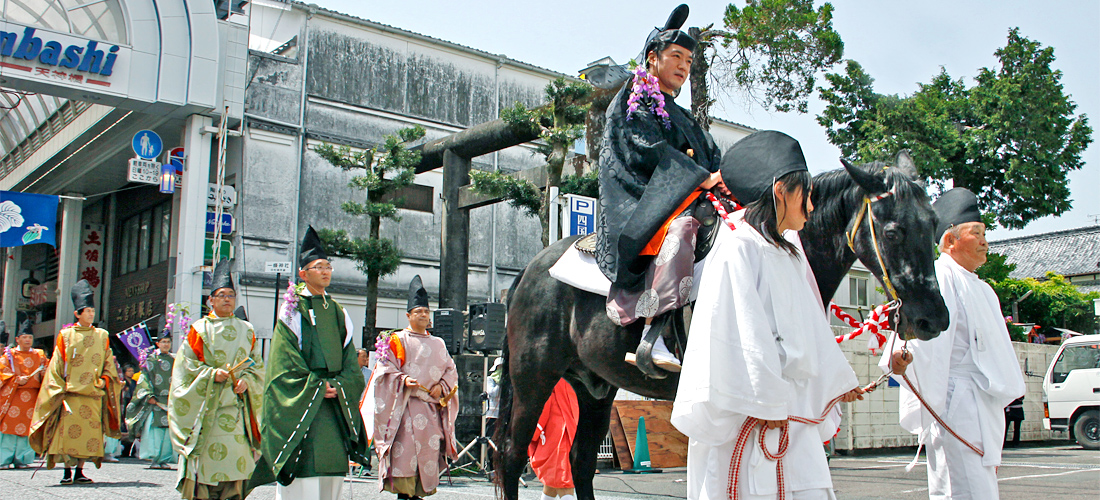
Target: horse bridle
<point x="865" y="210"/>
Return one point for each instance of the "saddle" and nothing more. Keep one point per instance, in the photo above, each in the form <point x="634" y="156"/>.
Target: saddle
<point x="702" y="210"/>
<point x="670" y="325"/>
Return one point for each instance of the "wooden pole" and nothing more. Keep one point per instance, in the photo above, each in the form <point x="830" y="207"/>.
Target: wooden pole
<point x="455" y="245"/>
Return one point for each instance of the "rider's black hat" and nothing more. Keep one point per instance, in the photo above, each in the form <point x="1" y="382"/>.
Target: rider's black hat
<point x="671" y="32"/>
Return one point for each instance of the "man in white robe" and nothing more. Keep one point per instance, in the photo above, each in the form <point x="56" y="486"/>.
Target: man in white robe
<point x="761" y="348"/>
<point x="967" y="374"/>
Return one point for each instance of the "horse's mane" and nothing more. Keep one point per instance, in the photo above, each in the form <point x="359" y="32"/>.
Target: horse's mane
<point x="836" y="194"/>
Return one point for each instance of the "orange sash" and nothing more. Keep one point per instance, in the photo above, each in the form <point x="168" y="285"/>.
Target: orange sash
<point x="654" y="245"/>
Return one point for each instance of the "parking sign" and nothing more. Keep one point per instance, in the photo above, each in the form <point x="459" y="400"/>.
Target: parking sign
<point x="582" y="215"/>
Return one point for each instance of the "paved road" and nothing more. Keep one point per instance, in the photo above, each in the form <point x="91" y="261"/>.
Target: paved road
<point x="1061" y="472"/>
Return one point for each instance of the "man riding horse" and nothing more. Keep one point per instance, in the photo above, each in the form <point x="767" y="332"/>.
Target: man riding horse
<point x="655" y="163"/>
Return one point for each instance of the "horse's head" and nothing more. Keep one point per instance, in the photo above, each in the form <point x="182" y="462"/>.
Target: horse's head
<point x="892" y="231"/>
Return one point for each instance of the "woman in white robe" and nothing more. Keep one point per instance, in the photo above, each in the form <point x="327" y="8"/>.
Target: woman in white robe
<point x="761" y="351"/>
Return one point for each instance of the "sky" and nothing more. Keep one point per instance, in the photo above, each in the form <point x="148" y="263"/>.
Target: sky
<point x="899" y="43"/>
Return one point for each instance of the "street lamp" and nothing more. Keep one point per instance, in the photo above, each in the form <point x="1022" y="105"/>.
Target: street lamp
<point x="168" y="178"/>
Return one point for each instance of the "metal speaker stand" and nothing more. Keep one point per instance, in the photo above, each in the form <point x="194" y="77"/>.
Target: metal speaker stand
<point x="481" y="465"/>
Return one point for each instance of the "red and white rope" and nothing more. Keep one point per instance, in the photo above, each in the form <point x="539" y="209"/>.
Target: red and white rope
<point x="880" y="316"/>
<point x="733" y="491"/>
<point x="722" y="212"/>
<point x="879" y="320"/>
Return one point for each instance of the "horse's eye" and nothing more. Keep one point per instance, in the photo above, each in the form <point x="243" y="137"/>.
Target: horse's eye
<point x="892" y="234"/>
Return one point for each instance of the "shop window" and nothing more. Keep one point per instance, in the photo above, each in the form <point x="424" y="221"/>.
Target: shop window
<point x="144" y="242"/>
<point x="131" y="228"/>
<point x="144" y="239"/>
<point x="413" y="197"/>
<point x="165" y="231"/>
<point x="155" y="228"/>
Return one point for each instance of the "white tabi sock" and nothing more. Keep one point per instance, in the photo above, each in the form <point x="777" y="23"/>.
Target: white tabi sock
<point x="548" y="497"/>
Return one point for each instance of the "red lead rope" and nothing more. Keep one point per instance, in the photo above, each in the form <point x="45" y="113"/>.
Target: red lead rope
<point x="751" y="423"/>
<point x="943" y="424"/>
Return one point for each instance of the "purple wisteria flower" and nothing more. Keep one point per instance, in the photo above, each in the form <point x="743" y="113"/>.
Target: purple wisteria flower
<point x="382" y="347"/>
<point x="646" y="90"/>
<point x="169" y="318"/>
<point x="290" y="299"/>
<point x="144" y="355"/>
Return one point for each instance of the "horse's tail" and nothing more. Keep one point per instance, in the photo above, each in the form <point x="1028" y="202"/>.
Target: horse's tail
<point x="503" y="425"/>
<point x="504" y="415"/>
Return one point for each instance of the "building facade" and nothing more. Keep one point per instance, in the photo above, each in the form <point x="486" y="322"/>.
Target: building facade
<point x="79" y="81"/>
<point x="318" y="76"/>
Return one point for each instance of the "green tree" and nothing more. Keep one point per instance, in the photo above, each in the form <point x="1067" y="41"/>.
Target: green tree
<point x="1054" y="302"/>
<point x="769" y="51"/>
<point x="1012" y="138"/>
<point x="559" y="122"/>
<point x="382" y="171"/>
<point x="995" y="268"/>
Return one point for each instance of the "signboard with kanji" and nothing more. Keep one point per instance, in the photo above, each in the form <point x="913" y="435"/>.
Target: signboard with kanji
<point x="92" y="255"/>
<point x="277" y="267"/>
<point x="227" y="196"/>
<point x="144" y="171"/>
<point x="581" y="216"/>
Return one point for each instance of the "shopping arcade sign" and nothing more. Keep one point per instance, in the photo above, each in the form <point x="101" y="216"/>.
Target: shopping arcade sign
<point x="39" y="55"/>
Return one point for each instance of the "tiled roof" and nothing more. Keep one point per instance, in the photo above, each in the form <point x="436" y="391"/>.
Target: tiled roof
<point x="1088" y="288"/>
<point x="735" y="124"/>
<point x="1070" y="252"/>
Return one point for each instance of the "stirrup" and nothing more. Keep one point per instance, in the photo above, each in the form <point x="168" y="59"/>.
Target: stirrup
<point x="643" y="357"/>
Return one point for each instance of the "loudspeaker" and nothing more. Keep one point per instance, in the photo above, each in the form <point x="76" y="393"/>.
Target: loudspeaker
<point x="486" y="327"/>
<point x="449" y="324"/>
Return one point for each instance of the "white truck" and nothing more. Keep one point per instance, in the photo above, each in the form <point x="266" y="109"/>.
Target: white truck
<point x="1071" y="391"/>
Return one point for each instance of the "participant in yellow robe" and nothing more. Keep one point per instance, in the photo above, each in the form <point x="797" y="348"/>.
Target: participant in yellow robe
<point x="78" y="402"/>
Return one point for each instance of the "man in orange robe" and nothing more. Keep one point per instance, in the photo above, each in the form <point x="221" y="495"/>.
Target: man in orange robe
<point x="21" y="369"/>
<point x="549" y="449"/>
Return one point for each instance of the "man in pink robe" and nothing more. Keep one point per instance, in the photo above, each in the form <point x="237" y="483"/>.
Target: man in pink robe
<point x="415" y="395"/>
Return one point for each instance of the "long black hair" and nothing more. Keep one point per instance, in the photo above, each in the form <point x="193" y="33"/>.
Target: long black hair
<point x="761" y="214"/>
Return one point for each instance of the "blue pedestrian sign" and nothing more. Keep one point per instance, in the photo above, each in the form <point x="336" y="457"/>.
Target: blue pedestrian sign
<point x="147" y="144"/>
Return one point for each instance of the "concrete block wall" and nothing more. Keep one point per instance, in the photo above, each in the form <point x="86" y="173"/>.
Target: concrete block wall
<point x="873" y="422"/>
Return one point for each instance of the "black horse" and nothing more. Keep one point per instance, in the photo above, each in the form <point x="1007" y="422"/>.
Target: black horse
<point x="555" y="330"/>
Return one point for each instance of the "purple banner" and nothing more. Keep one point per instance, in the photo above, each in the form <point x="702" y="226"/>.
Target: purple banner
<point x="136" y="340"/>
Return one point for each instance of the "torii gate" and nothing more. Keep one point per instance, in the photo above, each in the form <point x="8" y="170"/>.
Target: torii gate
<point x="454" y="153"/>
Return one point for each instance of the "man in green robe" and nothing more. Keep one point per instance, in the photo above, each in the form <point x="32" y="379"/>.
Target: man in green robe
<point x="147" y="415"/>
<point x="215" y="399"/>
<point x="313" y="385"/>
